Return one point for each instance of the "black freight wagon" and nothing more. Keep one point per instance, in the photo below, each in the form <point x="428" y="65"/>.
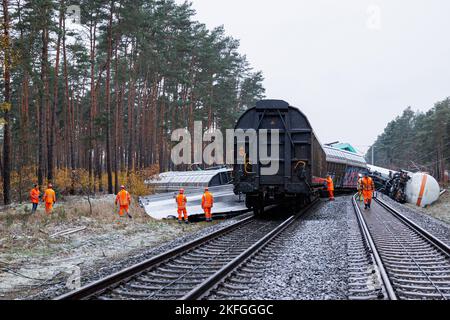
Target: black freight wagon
<point x="301" y="156"/>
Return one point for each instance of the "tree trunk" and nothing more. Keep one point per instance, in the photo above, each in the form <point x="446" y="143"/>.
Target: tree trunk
<point x="7" y="106"/>
<point x="116" y="120"/>
<point x="130" y="128"/>
<point x="44" y="105"/>
<point x="92" y="38"/>
<point x="108" y="102"/>
<point x="52" y="111"/>
<point x="70" y="128"/>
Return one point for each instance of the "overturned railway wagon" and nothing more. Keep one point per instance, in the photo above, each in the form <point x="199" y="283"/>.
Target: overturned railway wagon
<point x="344" y="167"/>
<point x="302" y="159"/>
<point x="174" y="180"/>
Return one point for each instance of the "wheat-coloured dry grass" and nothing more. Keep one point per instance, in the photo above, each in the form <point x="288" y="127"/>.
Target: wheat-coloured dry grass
<point x="28" y="252"/>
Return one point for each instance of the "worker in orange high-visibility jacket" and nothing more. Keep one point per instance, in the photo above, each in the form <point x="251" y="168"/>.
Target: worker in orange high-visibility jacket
<point x="123" y="198"/>
<point x="360" y="176"/>
<point x="368" y="188"/>
<point x="330" y="186"/>
<point x="49" y="199"/>
<point x="34" y="198"/>
<point x="207" y="204"/>
<point x="182" y="211"/>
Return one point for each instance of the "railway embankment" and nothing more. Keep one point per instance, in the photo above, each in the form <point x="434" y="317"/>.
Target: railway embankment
<point x="40" y="253"/>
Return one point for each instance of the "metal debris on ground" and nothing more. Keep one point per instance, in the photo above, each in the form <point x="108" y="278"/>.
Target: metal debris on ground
<point x="67" y="232"/>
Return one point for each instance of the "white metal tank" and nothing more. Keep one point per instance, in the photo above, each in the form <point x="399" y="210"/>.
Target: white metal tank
<point x="422" y="189"/>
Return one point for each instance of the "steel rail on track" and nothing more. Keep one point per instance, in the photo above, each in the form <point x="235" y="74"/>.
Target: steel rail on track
<point x="373" y="251"/>
<point x="443" y="247"/>
<point x="98" y="286"/>
<point x="204" y="288"/>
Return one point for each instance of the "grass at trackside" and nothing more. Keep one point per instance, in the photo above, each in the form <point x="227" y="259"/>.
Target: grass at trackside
<point x="27" y="248"/>
<point x="440" y="209"/>
<point x="21" y="231"/>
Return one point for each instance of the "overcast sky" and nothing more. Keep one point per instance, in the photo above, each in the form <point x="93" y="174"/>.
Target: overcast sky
<point x="351" y="65"/>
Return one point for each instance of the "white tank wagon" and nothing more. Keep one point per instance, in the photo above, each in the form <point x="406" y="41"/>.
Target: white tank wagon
<point x="382" y="172"/>
<point x="422" y="189"/>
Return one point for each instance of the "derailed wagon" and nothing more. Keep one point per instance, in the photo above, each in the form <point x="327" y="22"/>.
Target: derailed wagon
<point x="302" y="159"/>
<point x="301" y="156"/>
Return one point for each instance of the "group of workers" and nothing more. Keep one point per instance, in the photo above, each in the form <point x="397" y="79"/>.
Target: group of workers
<point x="49" y="198"/>
<point x="207" y="205"/>
<point x="366" y="188"/>
<point x="123" y="198"/>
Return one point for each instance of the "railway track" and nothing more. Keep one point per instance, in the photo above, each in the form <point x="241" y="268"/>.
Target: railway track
<point x="411" y="262"/>
<point x="189" y="271"/>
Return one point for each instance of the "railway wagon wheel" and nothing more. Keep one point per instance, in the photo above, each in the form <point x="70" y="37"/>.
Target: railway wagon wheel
<point x="258" y="210"/>
<point x="255" y="202"/>
<point x="249" y="203"/>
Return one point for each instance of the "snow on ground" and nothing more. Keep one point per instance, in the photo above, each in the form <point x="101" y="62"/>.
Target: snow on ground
<point x="311" y="265"/>
<point x="31" y="260"/>
<point x="440" y="209"/>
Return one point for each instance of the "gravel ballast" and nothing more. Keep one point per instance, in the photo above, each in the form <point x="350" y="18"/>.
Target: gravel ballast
<point x="436" y="227"/>
<point x="311" y="262"/>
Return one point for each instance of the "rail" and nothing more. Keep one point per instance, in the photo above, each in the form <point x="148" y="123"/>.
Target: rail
<point x="204" y="288"/>
<point x="373" y="251"/>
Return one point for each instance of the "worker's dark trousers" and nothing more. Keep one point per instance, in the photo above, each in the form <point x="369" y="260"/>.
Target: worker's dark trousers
<point x="35" y="206"/>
